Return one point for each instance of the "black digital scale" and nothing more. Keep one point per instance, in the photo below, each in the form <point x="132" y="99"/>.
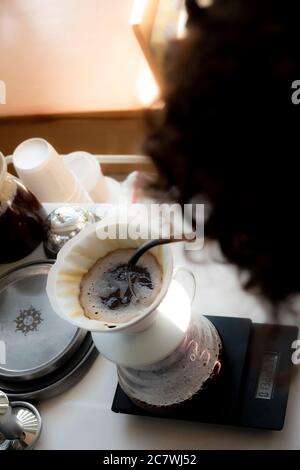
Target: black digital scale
<point x="253" y="389"/>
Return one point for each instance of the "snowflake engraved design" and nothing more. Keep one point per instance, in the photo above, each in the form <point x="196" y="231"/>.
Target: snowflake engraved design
<point x="28" y="320"/>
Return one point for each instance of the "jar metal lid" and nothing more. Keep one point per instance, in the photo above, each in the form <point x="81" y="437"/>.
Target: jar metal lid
<point x="64" y="223"/>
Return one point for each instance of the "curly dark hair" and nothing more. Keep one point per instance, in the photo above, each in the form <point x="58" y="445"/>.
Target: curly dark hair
<point x="228" y="131"/>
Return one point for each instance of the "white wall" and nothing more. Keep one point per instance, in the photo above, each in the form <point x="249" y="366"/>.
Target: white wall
<point x="69" y="56"/>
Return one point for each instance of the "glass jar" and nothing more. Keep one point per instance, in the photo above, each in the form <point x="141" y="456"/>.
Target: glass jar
<point x="21" y="218"/>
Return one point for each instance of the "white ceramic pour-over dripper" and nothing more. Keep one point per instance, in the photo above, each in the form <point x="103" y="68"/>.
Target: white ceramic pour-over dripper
<point x="157" y="339"/>
<point x="153" y="334"/>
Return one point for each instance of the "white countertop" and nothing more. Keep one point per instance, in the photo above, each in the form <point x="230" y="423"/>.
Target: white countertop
<point x="81" y="418"/>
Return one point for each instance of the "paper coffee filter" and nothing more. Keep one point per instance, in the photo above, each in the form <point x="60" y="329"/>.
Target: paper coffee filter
<point x="74" y="260"/>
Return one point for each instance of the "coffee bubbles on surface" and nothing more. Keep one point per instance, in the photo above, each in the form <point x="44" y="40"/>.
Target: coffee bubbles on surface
<point x="104" y="290"/>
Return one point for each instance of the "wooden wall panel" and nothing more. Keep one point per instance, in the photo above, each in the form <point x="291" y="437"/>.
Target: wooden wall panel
<point x="102" y="135"/>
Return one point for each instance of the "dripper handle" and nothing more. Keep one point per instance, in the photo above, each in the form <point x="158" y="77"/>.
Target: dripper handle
<point x="183" y="270"/>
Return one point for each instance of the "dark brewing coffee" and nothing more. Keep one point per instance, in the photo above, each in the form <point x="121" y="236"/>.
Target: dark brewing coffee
<point x="120" y="294"/>
<point x="105" y="294"/>
<point x="21" y="221"/>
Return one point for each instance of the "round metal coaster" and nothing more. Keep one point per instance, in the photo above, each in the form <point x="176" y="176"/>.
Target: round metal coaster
<point x="37" y="341"/>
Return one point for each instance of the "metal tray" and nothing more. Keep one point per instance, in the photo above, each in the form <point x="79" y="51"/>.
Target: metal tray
<point x="37" y="341"/>
<point x="59" y="380"/>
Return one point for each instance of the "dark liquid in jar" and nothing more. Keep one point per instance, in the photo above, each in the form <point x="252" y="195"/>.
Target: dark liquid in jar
<point x="21" y="225"/>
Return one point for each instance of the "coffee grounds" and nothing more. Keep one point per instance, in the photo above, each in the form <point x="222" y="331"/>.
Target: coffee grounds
<point x="140" y="277"/>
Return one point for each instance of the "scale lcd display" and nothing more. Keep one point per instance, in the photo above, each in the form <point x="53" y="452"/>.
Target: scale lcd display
<point x="266" y="378"/>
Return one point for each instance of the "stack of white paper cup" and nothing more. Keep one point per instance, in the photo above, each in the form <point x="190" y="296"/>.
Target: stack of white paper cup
<point x="88" y="171"/>
<point x="46" y="174"/>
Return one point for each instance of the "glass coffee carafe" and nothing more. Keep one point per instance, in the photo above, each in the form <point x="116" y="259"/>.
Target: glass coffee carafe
<point x="179" y="377"/>
<point x="21" y="218"/>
